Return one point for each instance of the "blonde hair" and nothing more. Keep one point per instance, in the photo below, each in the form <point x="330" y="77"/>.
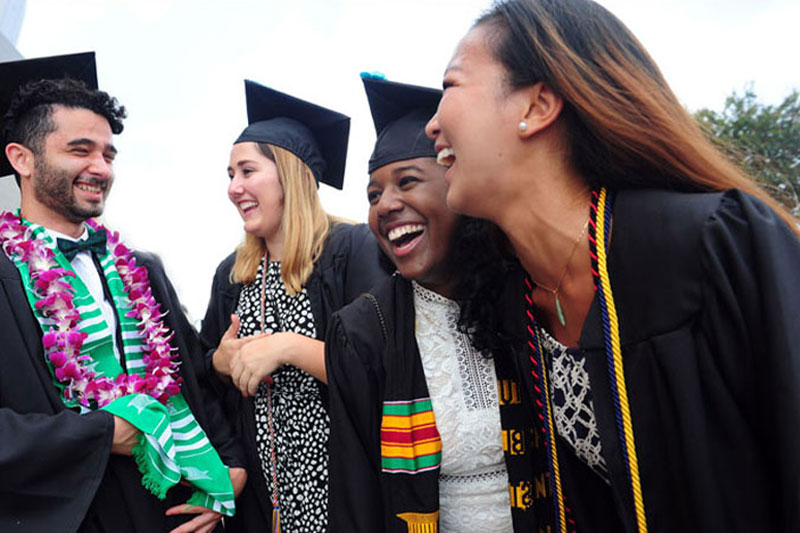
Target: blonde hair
<point x="304" y="223"/>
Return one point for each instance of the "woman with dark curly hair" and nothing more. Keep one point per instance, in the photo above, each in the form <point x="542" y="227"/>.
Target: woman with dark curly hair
<point x="427" y="429"/>
<point x="660" y="303"/>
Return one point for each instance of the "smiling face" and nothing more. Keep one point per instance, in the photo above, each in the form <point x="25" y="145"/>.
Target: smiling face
<point x="409" y="217"/>
<point x="256" y="191"/>
<point x="475" y="128"/>
<point x="73" y="174"/>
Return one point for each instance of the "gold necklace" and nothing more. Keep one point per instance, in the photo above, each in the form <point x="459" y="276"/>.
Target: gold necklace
<point x="559" y="310"/>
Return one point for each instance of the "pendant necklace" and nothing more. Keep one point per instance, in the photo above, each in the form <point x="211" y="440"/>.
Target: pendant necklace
<point x="554" y="291"/>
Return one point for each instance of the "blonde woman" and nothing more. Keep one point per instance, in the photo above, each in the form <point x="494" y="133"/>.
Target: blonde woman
<point x="271" y="301"/>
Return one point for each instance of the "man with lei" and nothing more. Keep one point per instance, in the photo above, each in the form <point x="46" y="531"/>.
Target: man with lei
<point x="101" y="415"/>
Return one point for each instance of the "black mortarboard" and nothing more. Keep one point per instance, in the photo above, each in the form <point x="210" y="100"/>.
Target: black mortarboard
<point x="15" y="74"/>
<point x="400" y="113"/>
<point x="313" y="133"/>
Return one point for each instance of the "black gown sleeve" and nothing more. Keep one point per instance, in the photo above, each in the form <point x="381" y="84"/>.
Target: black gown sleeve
<point x="752" y="261"/>
<point x="52" y="460"/>
<point x="365" y="269"/>
<point x="51" y="466"/>
<point x="220" y="305"/>
<point x="355" y="499"/>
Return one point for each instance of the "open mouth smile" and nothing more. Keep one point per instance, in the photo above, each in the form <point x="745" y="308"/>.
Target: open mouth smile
<point x="404" y="238"/>
<point x="91" y="186"/>
<point x="247" y="206"/>
<point x="446" y="157"/>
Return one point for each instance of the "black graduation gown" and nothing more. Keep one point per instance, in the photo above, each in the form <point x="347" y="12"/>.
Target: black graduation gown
<point x="706" y="289"/>
<point x="348" y="266"/>
<point x="56" y="468"/>
<point x="372" y="357"/>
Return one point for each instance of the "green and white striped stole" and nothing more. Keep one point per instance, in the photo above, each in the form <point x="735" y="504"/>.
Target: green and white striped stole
<point x="173" y="446"/>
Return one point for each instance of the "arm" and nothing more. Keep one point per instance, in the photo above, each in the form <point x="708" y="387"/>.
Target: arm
<point x="752" y="260"/>
<point x="356" y="498"/>
<point x="262" y="355"/>
<point x="51" y="467"/>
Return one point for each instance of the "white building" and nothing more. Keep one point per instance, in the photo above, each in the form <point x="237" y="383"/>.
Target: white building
<point x="11" y="14"/>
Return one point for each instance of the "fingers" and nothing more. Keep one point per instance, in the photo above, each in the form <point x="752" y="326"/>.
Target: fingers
<point x="252" y="385"/>
<point x="185" y="509"/>
<point x="244" y="379"/>
<point x="126" y="435"/>
<point x="205" y="521"/>
<point x="238" y="479"/>
<point x="237" y="368"/>
<point x="233" y="330"/>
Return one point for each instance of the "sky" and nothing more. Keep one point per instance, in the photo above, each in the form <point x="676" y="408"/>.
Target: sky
<point x="178" y="67"/>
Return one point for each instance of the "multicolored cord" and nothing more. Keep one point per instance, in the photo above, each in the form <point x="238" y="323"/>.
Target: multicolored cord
<point x="599" y="224"/>
<point x="539" y="373"/>
<point x="599" y="232"/>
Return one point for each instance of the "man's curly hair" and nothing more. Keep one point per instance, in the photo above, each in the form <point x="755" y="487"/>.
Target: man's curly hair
<point x="29" y="119"/>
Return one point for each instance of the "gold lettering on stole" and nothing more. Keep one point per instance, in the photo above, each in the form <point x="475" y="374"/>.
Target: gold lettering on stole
<point x="542" y="485"/>
<point x="421" y="522"/>
<point x="514" y="442"/>
<point x="520" y="493"/>
<point x="508" y="392"/>
<point x="519" y="442"/>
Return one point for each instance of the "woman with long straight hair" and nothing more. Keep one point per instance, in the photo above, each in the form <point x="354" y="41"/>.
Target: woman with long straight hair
<point x="270" y="304"/>
<point x="659" y="311"/>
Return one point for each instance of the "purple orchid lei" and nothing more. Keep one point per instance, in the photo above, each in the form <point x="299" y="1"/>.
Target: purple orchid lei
<point x="63" y="342"/>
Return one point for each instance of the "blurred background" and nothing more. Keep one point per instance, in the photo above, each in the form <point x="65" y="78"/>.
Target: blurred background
<point x="178" y="67"/>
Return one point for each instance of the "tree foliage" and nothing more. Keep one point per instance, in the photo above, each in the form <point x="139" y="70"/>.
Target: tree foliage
<point x="764" y="140"/>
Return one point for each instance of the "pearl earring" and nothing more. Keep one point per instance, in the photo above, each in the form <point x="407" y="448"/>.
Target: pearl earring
<point x="523" y="125"/>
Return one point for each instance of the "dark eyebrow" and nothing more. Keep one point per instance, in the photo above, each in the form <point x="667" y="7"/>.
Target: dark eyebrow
<point x="91" y="143"/>
<point x="400" y="170"/>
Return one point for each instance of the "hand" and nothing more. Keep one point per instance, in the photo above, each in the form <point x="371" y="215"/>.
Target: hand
<point x="228" y="347"/>
<point x="126" y="436"/>
<point x="255" y="361"/>
<point x="265" y="354"/>
<point x="205" y="521"/>
<point x="238" y="479"/>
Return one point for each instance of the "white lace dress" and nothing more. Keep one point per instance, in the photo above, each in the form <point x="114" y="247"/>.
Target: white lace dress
<point x="473" y="483"/>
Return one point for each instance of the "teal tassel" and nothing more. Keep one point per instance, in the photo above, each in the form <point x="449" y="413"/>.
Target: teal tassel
<point x="375" y="75"/>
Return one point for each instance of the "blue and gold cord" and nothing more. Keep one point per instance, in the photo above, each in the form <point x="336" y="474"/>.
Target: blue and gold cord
<point x="599" y="224"/>
<point x="599" y="233"/>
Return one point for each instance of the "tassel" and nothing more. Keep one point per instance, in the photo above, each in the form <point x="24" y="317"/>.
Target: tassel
<point x="276" y="520"/>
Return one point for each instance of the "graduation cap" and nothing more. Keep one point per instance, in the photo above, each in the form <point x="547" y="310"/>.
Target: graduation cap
<point x="15" y="74"/>
<point x="313" y="133"/>
<point x="400" y="113"/>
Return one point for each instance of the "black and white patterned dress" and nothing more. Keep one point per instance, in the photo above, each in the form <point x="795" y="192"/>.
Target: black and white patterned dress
<point x="300" y="422"/>
<point x="573" y="407"/>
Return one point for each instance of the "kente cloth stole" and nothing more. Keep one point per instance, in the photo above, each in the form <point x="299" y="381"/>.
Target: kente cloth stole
<point x="173" y="446"/>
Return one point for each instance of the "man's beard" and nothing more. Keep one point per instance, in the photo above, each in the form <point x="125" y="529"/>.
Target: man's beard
<point x="52" y="187"/>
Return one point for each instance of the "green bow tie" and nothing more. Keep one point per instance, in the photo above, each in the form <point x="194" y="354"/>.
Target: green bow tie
<point x="96" y="243"/>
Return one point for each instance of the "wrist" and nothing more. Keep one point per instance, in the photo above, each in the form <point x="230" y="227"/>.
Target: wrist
<point x="285" y="355"/>
<point x="218" y="364"/>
